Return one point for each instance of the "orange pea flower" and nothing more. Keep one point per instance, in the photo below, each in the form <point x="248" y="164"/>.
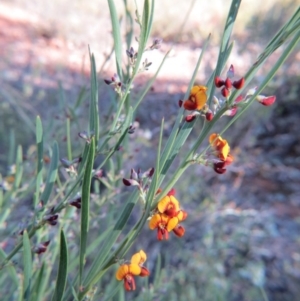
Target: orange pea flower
<point x="220" y="145"/>
<point x="197" y="98"/>
<point x="139" y="258"/>
<point x="127" y="271"/>
<point x="168" y="205"/>
<point x="164" y="224"/>
<point x="169" y="220"/>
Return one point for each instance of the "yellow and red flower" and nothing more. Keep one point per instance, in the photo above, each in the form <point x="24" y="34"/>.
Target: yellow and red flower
<point x="220" y="146"/>
<point x="197" y="98"/>
<point x="221" y="151"/>
<point x="167" y="217"/>
<point x="127" y="271"/>
<point x="139" y="258"/>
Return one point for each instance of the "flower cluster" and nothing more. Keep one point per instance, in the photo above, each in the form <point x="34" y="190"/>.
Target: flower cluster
<point x="197" y="103"/>
<point x="167" y="216"/>
<point x="227" y="84"/>
<point x="140" y="179"/>
<point x="127" y="271"/>
<point x="221" y="151"/>
<point x="116" y="83"/>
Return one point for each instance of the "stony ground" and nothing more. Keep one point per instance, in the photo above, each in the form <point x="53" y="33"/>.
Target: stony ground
<point x="255" y="212"/>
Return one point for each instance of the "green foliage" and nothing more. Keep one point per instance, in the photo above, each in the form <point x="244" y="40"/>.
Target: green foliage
<point x="100" y="219"/>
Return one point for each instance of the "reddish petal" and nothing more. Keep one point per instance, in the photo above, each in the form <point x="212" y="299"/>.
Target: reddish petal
<point x="219" y="82"/>
<point x="189" y="105"/>
<point x="172" y="192"/>
<point x="179" y="231"/>
<point x="190" y="118"/>
<point x="267" y="101"/>
<point x="129" y="283"/>
<point x="228" y="83"/>
<point x="225" y="92"/>
<point x="239" y="83"/>
<point x="209" y="116"/>
<point x="145" y="272"/>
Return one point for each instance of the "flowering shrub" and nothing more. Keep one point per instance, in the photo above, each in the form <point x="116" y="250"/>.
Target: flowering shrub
<point x="87" y="193"/>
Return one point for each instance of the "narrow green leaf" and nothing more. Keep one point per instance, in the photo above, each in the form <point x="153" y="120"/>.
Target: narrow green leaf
<point x="27" y="263"/>
<point x="84" y="158"/>
<point x="85" y="206"/>
<point x="150" y="19"/>
<point x="173" y="145"/>
<point x="97" y="267"/>
<point x="93" y="246"/>
<point x="19" y="168"/>
<point x="62" y="269"/>
<point x="154" y="183"/>
<point x="231" y="17"/>
<point x="69" y="144"/>
<point x="115" y="287"/>
<point x="52" y="174"/>
<point x="11" y="270"/>
<point x="94" y="114"/>
<point x="12" y="147"/>
<point x="80" y="98"/>
<point x="124" y="133"/>
<point x="40" y="149"/>
<point x="143" y="35"/>
<point x="39" y="285"/>
<point x="124" y="216"/>
<point x="116" y="36"/>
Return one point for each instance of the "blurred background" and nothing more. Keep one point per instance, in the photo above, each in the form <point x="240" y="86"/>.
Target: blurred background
<point x="242" y="235"/>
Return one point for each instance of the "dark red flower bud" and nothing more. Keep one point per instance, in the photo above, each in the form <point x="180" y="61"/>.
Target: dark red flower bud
<point x="42" y="247"/>
<point x="52" y="223"/>
<point x="51" y="218"/>
<point x="148" y="174"/>
<point x="179" y="231"/>
<point x="151" y="172"/>
<point x="219" y="167"/>
<point x="228" y="83"/>
<point x="107" y="81"/>
<point x="219" y="82"/>
<point x="190" y="118"/>
<point x="209" y="115"/>
<point x="76" y="203"/>
<point x="130" y="182"/>
<point x="238" y="84"/>
<point x="239" y="99"/>
<point x="266" y="101"/>
<point x="225" y="92"/>
<point x="144" y="272"/>
<point x="171" y="192"/>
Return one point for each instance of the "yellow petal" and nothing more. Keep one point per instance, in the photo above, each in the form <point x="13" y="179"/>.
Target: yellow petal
<point x="224" y="152"/>
<point x="212" y="139"/>
<point x="196" y="89"/>
<point x="172" y="223"/>
<point x="175" y="202"/>
<point x="154" y="221"/>
<point x="139" y="258"/>
<point x="163" y="204"/>
<point x="158" y="220"/>
<point x="166" y="202"/>
<point x="200" y="99"/>
<point x="122" y="271"/>
<point x="134" y="269"/>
